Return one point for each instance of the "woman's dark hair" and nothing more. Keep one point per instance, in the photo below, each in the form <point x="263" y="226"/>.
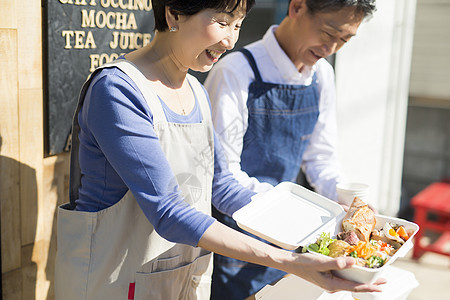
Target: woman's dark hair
<point x="366" y="7"/>
<point x="191" y="7"/>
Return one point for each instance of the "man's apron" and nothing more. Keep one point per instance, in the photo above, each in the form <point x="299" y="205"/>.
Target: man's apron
<point x="281" y="119"/>
<point x="116" y="253"/>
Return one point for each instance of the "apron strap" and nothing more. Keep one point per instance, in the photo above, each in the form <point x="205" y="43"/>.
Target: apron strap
<point x="75" y="170"/>
<point x="142" y="83"/>
<point x="202" y="98"/>
<point x="252" y="62"/>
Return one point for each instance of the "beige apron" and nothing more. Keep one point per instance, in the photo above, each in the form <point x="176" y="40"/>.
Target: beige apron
<point x="116" y="253"/>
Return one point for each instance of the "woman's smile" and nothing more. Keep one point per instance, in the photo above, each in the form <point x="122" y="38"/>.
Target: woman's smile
<point x="213" y="55"/>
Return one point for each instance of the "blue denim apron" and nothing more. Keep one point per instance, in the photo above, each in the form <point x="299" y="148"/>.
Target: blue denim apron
<point x="281" y="119"/>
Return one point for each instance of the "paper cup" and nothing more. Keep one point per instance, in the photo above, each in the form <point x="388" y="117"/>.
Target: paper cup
<point x="346" y="192"/>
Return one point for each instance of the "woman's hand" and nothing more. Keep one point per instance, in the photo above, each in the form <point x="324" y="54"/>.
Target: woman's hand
<point x="318" y="269"/>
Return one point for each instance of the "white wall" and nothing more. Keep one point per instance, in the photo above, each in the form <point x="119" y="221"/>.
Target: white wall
<point x="372" y="78"/>
<point x="430" y="76"/>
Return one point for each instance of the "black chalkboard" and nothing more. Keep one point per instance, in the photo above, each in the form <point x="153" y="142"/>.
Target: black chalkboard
<point x="81" y="35"/>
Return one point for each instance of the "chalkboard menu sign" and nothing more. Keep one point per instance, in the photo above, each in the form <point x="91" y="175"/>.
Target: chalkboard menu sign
<point x="82" y="35"/>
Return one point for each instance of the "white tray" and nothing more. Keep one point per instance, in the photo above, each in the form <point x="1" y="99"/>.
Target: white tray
<point x="288" y="214"/>
<point x="291" y="216"/>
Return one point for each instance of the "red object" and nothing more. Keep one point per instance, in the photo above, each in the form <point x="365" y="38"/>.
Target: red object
<point x="433" y="200"/>
<point x="131" y="291"/>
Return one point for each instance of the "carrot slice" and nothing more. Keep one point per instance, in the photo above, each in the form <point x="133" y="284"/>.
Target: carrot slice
<point x="363" y="249"/>
<point x="402" y="233"/>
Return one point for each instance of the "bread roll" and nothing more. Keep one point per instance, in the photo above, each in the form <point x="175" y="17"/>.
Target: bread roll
<point x="360" y="219"/>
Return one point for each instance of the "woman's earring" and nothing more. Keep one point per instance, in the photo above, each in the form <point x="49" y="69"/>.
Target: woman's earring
<point x="173" y="29"/>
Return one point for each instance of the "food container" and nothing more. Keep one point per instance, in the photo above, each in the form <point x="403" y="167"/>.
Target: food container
<point x="291" y="216"/>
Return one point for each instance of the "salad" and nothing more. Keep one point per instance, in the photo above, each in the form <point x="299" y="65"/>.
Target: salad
<point x="374" y="253"/>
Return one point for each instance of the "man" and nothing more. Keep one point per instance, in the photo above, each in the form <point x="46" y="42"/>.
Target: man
<point x="273" y="106"/>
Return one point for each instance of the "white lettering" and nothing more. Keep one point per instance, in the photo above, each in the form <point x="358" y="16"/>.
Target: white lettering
<point x="87" y="20"/>
<point x="129" y="40"/>
<point x="112" y="20"/>
<point x="67" y="34"/>
<point x="98" y="60"/>
<point x="127" y="4"/>
<point x="90" y="42"/>
<point x="79" y="41"/>
<point x="77" y="2"/>
<point x="79" y="36"/>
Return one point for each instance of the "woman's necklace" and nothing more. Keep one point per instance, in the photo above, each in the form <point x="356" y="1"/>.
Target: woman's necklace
<point x="172" y="87"/>
<point x="183" y="112"/>
<point x="182" y="109"/>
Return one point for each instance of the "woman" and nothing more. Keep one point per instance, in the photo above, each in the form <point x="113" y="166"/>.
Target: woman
<point x="146" y="166"/>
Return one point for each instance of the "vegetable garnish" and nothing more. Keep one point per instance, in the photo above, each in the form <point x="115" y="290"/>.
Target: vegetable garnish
<point x="363" y="249"/>
<point x="375" y="262"/>
<point x="321" y="245"/>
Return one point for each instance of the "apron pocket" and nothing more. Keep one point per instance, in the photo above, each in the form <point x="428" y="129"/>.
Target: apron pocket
<point x="185" y="282"/>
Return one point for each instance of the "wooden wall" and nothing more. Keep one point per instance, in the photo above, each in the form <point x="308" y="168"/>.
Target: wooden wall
<point x="31" y="186"/>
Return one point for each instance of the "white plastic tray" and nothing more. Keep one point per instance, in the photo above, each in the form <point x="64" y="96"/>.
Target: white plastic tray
<point x="291" y="216"/>
<point x="288" y="214"/>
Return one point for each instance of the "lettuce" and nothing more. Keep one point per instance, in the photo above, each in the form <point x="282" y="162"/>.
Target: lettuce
<point x="321" y="245"/>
